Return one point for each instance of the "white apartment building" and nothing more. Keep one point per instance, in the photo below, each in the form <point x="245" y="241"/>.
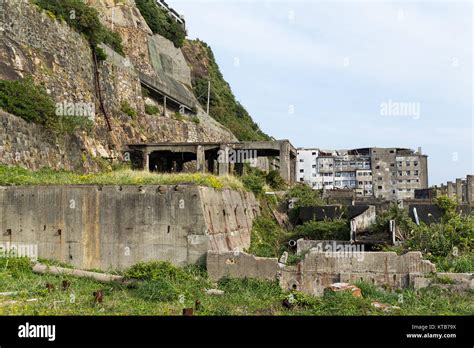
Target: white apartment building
<point x="391" y="173"/>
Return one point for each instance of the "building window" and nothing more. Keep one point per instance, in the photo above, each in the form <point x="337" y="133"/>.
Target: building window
<point x="392" y="151"/>
<point x="377" y="167"/>
<point x="379" y="178"/>
<point x="408" y="163"/>
<point x="415" y="163"/>
<point x="314" y="153"/>
<point x="392" y="164"/>
<point x="301" y="179"/>
<point x="301" y="160"/>
<point x="301" y="170"/>
<point x="379" y="187"/>
<point x="408" y="172"/>
<point x="400" y="173"/>
<point x="416" y="172"/>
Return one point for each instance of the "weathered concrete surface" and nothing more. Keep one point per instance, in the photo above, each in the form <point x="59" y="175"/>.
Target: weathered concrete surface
<point x="319" y="269"/>
<point x="240" y="265"/>
<point x="459" y="281"/>
<point x="117" y="226"/>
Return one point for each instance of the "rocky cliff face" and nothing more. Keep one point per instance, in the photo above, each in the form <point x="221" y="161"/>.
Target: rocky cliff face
<point x="34" y="43"/>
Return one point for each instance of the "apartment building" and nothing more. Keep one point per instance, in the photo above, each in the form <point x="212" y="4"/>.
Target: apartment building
<point x="385" y="173"/>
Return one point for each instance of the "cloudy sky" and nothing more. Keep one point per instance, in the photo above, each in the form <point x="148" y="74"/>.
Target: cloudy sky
<point x="344" y="74"/>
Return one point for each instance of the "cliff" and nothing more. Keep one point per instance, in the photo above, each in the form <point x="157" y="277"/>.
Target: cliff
<point x="122" y="88"/>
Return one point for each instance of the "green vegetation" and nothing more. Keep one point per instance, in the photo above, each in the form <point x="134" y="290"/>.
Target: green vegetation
<point x="19" y="176"/>
<point x="223" y="105"/>
<point x="267" y="238"/>
<point x="178" y="116"/>
<point x="304" y="196"/>
<point x="258" y="181"/>
<point x="28" y="101"/>
<point x="448" y="243"/>
<point x="151" y="109"/>
<point x="127" y="109"/>
<point x="84" y="19"/>
<point x="32" y="103"/>
<point x="163" y="289"/>
<point x="160" y="22"/>
<point x="195" y="119"/>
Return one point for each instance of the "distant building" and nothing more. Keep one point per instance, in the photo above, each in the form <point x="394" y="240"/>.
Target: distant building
<point x="177" y="17"/>
<point x="385" y="173"/>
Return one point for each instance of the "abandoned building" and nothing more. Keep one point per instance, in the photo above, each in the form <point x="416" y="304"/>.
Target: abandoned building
<point x="461" y="189"/>
<point x="384" y="173"/>
<point x="215" y="158"/>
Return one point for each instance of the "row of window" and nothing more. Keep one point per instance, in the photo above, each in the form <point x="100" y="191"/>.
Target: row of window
<point x="407" y="172"/>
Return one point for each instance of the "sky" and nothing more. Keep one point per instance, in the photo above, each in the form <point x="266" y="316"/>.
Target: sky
<point x="335" y="74"/>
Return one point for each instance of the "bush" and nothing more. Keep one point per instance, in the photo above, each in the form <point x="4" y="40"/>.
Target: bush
<point x="254" y="182"/>
<point x="304" y="196"/>
<point x="28" y="101"/>
<point x="127" y="109"/>
<point x="266" y="237"/>
<point x="196" y="120"/>
<point x="151" y="109"/>
<point x="84" y="19"/>
<point x="160" y="22"/>
<point x="274" y="180"/>
<point x="156" y="270"/>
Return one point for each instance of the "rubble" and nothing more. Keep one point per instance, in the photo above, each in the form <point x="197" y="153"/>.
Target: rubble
<point x="337" y="287"/>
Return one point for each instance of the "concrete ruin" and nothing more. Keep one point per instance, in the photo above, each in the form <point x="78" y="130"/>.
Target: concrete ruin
<point x="319" y="269"/>
<point x="103" y="227"/>
<point x="240" y="265"/>
<point x="462" y="190"/>
<point x="215" y="158"/>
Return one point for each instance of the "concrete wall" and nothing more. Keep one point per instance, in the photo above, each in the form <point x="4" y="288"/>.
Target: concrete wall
<point x="240" y="265"/>
<point x="363" y="221"/>
<point x="117" y="226"/>
<point x="320" y="269"/>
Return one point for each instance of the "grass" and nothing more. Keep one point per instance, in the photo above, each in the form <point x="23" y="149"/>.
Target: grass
<point x="168" y="289"/>
<point x="19" y="176"/>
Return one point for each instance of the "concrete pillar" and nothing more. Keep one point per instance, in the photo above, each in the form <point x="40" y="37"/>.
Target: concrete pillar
<point x="450" y="189"/>
<point x="459" y="190"/>
<point x="470" y="189"/>
<point x="200" y="159"/>
<point x="285" y="165"/>
<point x="223" y="160"/>
<point x="164" y="106"/>
<point x="146" y="161"/>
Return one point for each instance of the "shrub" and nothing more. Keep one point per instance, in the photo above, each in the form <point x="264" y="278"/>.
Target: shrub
<point x="304" y="196"/>
<point x="161" y="22"/>
<point x="84" y="19"/>
<point x="127" y="109"/>
<point x="254" y="182"/>
<point x="151" y="109"/>
<point x="266" y="237"/>
<point x="196" y="120"/>
<point x="274" y="180"/>
<point x="28" y="101"/>
<point x="178" y="116"/>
